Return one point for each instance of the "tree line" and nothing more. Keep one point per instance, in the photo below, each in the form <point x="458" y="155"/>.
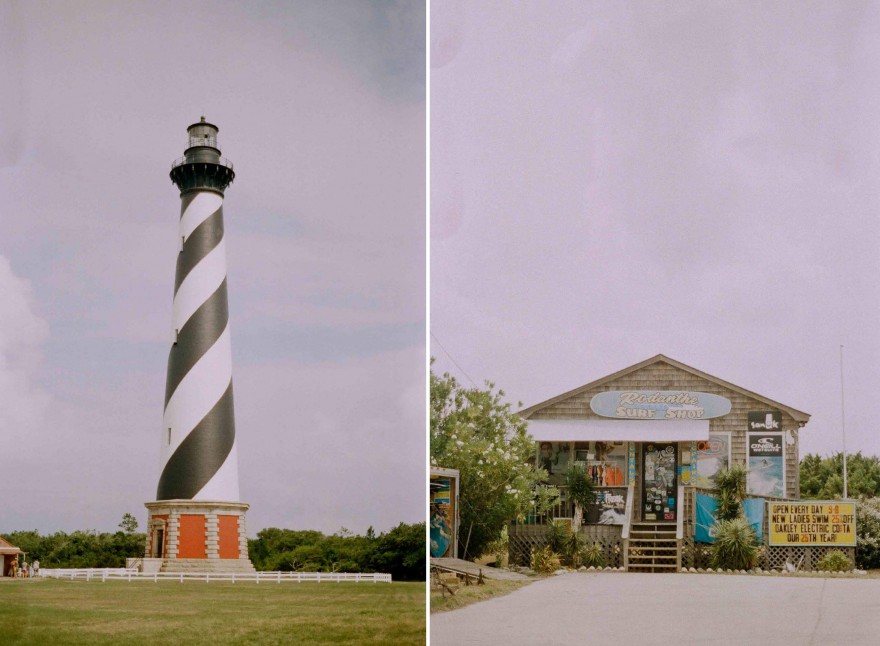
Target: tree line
<point x="79" y="549"/>
<point x="399" y="552"/>
<point x="822" y="478"/>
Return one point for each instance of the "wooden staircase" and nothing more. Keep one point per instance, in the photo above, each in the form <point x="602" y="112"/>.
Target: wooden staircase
<point x="653" y="547"/>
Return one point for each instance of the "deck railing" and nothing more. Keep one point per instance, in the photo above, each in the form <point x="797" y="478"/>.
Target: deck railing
<point x="564" y="508"/>
<point x="180" y="161"/>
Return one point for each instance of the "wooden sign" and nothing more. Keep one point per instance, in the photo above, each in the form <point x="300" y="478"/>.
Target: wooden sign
<point x="659" y="405"/>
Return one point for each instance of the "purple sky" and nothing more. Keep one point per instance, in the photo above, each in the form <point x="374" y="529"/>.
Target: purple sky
<point x="610" y="181"/>
<point x="321" y="109"/>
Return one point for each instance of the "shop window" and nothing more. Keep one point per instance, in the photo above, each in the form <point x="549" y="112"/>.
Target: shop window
<point x="605" y="462"/>
<point x="554" y="458"/>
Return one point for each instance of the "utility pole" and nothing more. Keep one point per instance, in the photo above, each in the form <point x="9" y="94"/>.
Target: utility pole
<point x="843" y="425"/>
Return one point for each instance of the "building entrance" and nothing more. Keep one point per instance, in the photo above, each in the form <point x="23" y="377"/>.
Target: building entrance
<point x="159" y="544"/>
<point x="659" y="481"/>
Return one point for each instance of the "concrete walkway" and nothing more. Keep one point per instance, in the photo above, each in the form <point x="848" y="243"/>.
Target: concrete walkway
<point x="635" y="609"/>
<point x="467" y="567"/>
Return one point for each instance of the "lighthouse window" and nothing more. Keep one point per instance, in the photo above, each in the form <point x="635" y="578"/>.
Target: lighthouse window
<point x="169" y="436"/>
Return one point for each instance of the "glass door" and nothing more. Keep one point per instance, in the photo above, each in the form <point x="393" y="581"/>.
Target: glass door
<point x="659" y="481"/>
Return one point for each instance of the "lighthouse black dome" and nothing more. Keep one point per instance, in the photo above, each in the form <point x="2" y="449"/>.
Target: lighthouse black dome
<point x="202" y="167"/>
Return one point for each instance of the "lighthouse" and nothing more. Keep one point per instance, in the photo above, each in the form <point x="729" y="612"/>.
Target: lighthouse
<point x="197" y="522"/>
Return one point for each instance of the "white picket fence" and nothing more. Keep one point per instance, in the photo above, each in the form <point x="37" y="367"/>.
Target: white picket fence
<point x="122" y="574"/>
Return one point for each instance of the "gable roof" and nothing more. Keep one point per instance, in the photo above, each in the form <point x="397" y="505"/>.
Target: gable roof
<point x="8" y="548"/>
<point x="799" y="416"/>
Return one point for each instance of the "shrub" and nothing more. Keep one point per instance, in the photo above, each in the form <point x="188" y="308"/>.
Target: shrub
<point x="545" y="560"/>
<point x="736" y="546"/>
<point x="574" y="546"/>
<point x="498" y="548"/>
<point x="556" y="535"/>
<point x="867" y="538"/>
<point x="593" y="555"/>
<point x="834" y="561"/>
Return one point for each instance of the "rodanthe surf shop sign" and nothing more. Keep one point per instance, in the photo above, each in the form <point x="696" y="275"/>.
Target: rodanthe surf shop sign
<point x="659" y="404"/>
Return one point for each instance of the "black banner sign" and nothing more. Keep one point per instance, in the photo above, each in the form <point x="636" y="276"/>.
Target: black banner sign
<point x="765" y="421"/>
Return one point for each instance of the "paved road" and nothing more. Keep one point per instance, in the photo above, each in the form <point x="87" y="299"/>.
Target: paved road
<point x="635" y="609"/>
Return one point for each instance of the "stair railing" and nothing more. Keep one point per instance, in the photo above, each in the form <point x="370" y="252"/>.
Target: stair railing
<point x="627" y="522"/>
<point x="679" y="528"/>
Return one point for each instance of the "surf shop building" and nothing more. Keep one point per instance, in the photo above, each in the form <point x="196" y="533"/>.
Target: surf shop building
<point x="651" y="438"/>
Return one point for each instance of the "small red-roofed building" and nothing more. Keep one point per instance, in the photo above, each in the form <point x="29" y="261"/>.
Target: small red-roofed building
<point x="8" y="555"/>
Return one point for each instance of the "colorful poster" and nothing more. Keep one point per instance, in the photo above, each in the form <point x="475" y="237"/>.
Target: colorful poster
<point x="609" y="508"/>
<point x="712" y="456"/>
<point x="631" y="462"/>
<point x="442" y="516"/>
<point x="812" y="522"/>
<point x="553" y="457"/>
<point x="766" y="465"/>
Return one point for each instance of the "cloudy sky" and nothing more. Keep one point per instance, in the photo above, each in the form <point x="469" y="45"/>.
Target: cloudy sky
<point x="321" y="107"/>
<point x="613" y="180"/>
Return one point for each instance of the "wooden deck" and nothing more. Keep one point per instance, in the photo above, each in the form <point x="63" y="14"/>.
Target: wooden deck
<point x="460" y="566"/>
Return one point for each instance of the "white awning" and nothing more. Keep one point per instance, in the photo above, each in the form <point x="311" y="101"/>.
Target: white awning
<point x="591" y="430"/>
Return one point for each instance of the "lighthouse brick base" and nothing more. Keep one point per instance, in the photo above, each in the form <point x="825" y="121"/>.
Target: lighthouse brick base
<point x="197" y="536"/>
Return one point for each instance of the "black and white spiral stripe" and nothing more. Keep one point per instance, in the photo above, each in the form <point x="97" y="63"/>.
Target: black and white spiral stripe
<point x="198" y="452"/>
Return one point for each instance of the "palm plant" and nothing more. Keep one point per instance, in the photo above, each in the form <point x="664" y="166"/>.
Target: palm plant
<point x="555" y="537"/>
<point x="581" y="492"/>
<point x="728" y="506"/>
<point x="733" y="479"/>
<point x="593" y="555"/>
<point x="736" y="546"/>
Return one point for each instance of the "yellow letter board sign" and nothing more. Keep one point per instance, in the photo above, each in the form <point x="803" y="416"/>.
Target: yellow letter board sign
<point x="812" y="522"/>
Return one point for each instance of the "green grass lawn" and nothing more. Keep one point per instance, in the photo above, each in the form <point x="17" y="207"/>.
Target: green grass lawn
<point x="467" y="595"/>
<point x="78" y="612"/>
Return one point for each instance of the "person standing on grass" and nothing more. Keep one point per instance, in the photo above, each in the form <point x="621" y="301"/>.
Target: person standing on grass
<point x="36" y="566"/>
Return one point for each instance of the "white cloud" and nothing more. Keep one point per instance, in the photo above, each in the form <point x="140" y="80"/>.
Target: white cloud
<point x="324" y="445"/>
<point x="22" y="333"/>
